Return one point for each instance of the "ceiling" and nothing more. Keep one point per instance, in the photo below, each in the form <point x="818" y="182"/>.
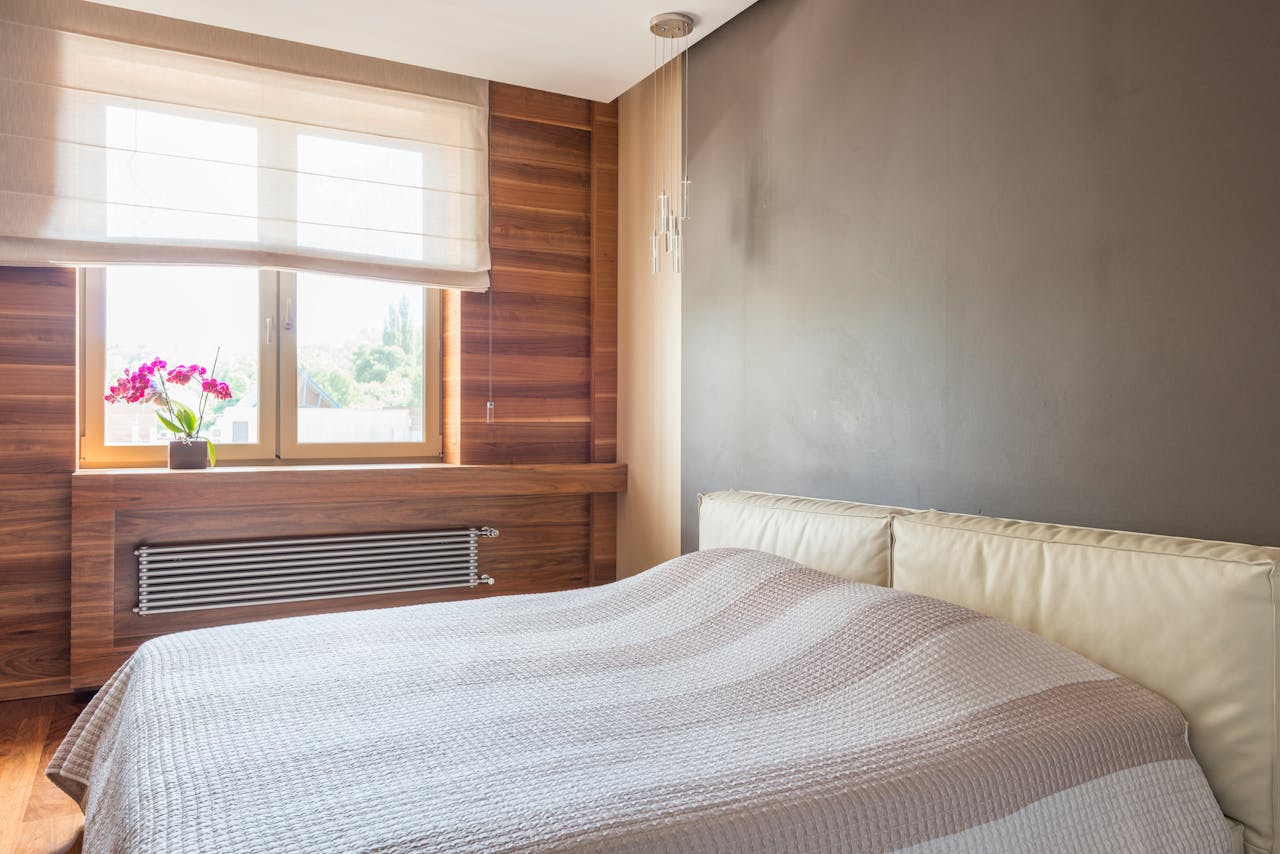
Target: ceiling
<point x="588" y="48"/>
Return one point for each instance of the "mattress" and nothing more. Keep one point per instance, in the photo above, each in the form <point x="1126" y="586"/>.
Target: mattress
<point x="728" y="700"/>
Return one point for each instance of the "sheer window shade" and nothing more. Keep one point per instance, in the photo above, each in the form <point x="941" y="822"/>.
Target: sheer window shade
<point x="115" y="152"/>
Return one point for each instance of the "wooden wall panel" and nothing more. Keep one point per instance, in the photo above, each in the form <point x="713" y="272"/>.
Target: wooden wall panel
<point x="524" y="228"/>
<point x="554" y="198"/>
<point x="544" y="515"/>
<point x="546" y="185"/>
<point x="37" y="457"/>
<point x="535" y="324"/>
<point x="507" y="444"/>
<point x="604" y="282"/>
<point x="604" y="538"/>
<point x="529" y="140"/>
<point x="535" y="105"/>
<point x="604" y="333"/>
<point x="508" y="261"/>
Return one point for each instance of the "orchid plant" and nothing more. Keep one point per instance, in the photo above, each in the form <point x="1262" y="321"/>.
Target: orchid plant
<point x="149" y="384"/>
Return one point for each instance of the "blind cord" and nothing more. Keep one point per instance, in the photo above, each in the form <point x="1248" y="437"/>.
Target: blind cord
<point x="488" y="409"/>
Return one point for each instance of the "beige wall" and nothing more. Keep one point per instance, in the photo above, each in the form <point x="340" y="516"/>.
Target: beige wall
<point x="648" y="352"/>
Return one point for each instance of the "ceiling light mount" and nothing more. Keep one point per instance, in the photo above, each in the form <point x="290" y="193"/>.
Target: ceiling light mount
<point x="670" y="152"/>
<point x="671" y="25"/>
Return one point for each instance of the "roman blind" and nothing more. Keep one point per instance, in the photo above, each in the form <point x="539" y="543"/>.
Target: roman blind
<point x="113" y="150"/>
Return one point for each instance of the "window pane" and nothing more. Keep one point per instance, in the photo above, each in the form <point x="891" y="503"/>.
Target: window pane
<point x="183" y="315"/>
<point x="172" y="176"/>
<point x="357" y="197"/>
<point x="360" y="361"/>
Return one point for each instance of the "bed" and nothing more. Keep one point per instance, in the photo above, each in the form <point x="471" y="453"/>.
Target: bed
<point x="733" y="699"/>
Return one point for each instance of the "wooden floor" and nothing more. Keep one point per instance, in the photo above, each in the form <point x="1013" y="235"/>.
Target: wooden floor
<point x="36" y="817"/>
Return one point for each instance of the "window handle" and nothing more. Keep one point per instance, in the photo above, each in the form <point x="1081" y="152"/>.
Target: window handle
<point x="271" y="330"/>
<point x="288" y="314"/>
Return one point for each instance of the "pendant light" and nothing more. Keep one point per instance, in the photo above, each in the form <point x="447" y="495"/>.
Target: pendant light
<point x="671" y="191"/>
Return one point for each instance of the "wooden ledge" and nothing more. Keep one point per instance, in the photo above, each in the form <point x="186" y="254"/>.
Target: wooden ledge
<point x="240" y="485"/>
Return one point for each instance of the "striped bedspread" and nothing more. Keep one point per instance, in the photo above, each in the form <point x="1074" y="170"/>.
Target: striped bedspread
<point x="725" y="701"/>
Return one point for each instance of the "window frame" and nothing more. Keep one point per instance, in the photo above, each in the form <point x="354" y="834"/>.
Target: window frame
<point x="277" y="418"/>
<point x="287" y="398"/>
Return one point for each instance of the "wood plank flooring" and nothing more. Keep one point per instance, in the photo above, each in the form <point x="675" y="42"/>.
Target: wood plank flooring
<point x="36" y="817"/>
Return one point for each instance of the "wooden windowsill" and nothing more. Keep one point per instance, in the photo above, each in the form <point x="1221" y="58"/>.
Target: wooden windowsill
<point x="89" y="466"/>
<point x="225" y="468"/>
<point x="388" y="480"/>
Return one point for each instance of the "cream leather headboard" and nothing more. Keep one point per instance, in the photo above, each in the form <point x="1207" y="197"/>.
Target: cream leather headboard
<point x="1192" y="620"/>
<point x="839" y="537"/>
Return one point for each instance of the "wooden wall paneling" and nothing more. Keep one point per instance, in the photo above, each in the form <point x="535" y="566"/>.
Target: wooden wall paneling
<point x="92" y="581"/>
<point x="560" y="186"/>
<point x="508" y="444"/>
<point x="555" y="385"/>
<point x="521" y="228"/>
<point x="37" y="455"/>
<point x="530" y="140"/>
<point x="533" y="280"/>
<point x="544" y="513"/>
<point x="604" y="333"/>
<point x="604" y="538"/>
<point x="543" y="193"/>
<point x="537" y="106"/>
<point x="534" y="324"/>
<point x="508" y="261"/>
<point x="604" y="282"/>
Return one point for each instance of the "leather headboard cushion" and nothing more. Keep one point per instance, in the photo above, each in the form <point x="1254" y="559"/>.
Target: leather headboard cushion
<point x="838" y="537"/>
<point x="1192" y="620"/>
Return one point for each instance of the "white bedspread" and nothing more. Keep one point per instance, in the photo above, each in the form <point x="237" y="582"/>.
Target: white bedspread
<point x="725" y="701"/>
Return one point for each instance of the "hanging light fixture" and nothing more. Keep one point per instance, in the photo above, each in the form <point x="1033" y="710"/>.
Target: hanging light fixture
<point x="671" y="191"/>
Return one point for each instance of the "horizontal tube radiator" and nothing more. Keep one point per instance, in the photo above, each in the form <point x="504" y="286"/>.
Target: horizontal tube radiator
<point x="262" y="572"/>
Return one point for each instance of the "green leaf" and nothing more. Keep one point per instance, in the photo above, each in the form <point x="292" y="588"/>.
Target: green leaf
<point x="213" y="457"/>
<point x="186" y="417"/>
<point x="173" y="428"/>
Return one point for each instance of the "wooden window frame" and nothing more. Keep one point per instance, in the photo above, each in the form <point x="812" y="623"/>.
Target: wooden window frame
<point x="277" y="417"/>
<point x="290" y="449"/>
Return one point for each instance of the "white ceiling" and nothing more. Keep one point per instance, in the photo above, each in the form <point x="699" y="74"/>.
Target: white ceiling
<point x="589" y="48"/>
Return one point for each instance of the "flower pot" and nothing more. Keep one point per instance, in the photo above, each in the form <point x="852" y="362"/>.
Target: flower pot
<point x="192" y="454"/>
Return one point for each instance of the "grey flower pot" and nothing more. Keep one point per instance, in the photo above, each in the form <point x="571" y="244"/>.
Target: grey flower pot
<point x="189" y="455"/>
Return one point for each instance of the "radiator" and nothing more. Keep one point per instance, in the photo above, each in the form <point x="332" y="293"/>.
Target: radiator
<point x="261" y="572"/>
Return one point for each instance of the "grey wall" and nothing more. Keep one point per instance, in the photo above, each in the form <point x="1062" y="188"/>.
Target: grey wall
<point x="1014" y="258"/>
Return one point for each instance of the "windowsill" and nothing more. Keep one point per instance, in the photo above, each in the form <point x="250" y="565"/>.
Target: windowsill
<point x="285" y="470"/>
<point x="260" y="468"/>
<point x="232" y="485"/>
<point x="267" y="465"/>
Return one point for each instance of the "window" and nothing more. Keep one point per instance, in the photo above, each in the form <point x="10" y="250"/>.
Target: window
<point x="133" y="154"/>
<point x="321" y="367"/>
<point x="155" y="163"/>
<point x="359" y="354"/>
